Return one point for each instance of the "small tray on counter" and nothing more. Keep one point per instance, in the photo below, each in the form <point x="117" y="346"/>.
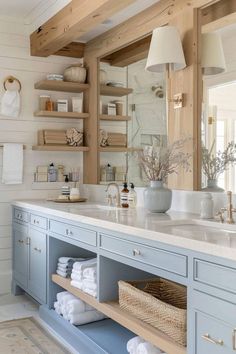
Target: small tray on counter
<point x="80" y="200"/>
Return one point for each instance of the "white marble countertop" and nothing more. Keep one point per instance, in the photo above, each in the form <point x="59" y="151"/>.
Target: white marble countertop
<point x="174" y="228"/>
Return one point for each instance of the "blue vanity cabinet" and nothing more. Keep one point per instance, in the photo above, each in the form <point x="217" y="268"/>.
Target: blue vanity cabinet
<point x="20" y="254"/>
<point x="37" y="272"/>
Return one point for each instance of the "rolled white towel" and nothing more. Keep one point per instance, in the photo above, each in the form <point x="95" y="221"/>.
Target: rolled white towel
<point x="88" y="284"/>
<point x="90" y="273"/>
<point x="80" y="266"/>
<point x="77" y="306"/>
<point x="67" y="298"/>
<point x="62" y="274"/>
<point x="61" y="295"/>
<point x="76" y="284"/>
<point x="133" y="343"/>
<point x="90" y="292"/>
<point x="86" y="317"/>
<point x="147" y="348"/>
<point x="76" y="277"/>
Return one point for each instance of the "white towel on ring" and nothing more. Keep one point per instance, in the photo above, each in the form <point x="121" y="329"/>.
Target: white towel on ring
<point x="133" y="343"/>
<point x="86" y="317"/>
<point x="12" y="166"/>
<point x="10" y="104"/>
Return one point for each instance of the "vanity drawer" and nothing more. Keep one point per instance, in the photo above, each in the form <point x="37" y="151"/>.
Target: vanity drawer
<point x="74" y="232"/>
<point x="39" y="221"/>
<point x="165" y="260"/>
<point x="213" y="336"/>
<point x="215" y="275"/>
<point x="21" y="215"/>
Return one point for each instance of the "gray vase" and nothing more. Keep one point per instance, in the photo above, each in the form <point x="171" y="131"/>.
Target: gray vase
<point x="212" y="186"/>
<point x="157" y="198"/>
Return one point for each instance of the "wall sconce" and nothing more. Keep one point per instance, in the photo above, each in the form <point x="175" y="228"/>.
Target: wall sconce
<point x="165" y="49"/>
<point x="213" y="59"/>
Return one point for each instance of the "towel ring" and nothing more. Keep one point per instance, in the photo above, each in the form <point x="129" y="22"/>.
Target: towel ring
<point x="11" y="79"/>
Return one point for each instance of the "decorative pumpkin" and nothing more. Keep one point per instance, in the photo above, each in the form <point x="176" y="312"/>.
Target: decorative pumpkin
<point x="75" y="73"/>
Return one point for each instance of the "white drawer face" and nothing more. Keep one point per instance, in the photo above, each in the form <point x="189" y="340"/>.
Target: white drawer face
<point x="21" y="215"/>
<point x="159" y="258"/>
<point x="38" y="221"/>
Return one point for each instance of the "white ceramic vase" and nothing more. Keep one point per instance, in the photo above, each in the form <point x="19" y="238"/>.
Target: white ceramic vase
<point x="212" y="186"/>
<point x="157" y="198"/>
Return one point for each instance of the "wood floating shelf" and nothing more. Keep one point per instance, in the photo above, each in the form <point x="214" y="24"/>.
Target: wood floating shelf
<point x="114" y="118"/>
<point x="118" y="149"/>
<point x="55" y="114"/>
<point x="113" y="311"/>
<point x="56" y="85"/>
<point x="60" y="148"/>
<point x="106" y="90"/>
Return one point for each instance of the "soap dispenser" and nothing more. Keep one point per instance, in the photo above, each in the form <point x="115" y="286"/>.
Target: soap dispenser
<point x="65" y="190"/>
<point x="132" y="196"/>
<point x="124" y="196"/>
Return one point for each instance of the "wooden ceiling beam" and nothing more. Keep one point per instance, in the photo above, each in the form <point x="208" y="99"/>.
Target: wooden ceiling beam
<point x="130" y="54"/>
<point x="73" y="21"/>
<point x="72" y="50"/>
<point x="218" y="10"/>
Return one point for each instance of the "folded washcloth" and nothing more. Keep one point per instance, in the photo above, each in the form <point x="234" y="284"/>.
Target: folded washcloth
<point x="147" y="348"/>
<point x="86" y="317"/>
<point x="77" y="306"/>
<point x="61" y="295"/>
<point x="76" y="277"/>
<point x="88" y="284"/>
<point x="90" y="273"/>
<point x="76" y="284"/>
<point x="77" y="272"/>
<point x="69" y="260"/>
<point x="90" y="292"/>
<point x="85" y="264"/>
<point x="62" y="274"/>
<point x="133" y="343"/>
<point x="64" y="266"/>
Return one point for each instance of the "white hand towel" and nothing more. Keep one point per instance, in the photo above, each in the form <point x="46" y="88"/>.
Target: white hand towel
<point x="85" y="264"/>
<point x="86" y="317"/>
<point x="76" y="284"/>
<point x="77" y="272"/>
<point x="57" y="307"/>
<point x="147" y="348"/>
<point x="90" y="273"/>
<point x="62" y="274"/>
<point x="87" y="284"/>
<point x="77" y="306"/>
<point x="61" y="295"/>
<point x="76" y="277"/>
<point x="10" y="104"/>
<point x="12" y="169"/>
<point x="90" y="292"/>
<point x="133" y="343"/>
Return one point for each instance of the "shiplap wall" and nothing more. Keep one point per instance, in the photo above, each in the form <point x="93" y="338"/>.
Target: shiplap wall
<point x="15" y="60"/>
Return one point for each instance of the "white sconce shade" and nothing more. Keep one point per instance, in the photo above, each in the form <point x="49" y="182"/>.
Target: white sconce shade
<point x="213" y="59"/>
<point x="165" y="48"/>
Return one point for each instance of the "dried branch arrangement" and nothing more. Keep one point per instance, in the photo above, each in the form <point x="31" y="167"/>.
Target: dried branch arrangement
<point x="215" y="164"/>
<point x="159" y="162"/>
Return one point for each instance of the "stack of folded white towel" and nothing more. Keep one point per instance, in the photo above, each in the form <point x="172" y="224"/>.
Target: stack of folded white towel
<point x="137" y="345"/>
<point x="84" y="276"/>
<point x="65" y="265"/>
<point x="76" y="311"/>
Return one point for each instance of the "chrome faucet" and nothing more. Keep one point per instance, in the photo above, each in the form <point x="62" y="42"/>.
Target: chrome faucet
<point x="229" y="209"/>
<point x="117" y="196"/>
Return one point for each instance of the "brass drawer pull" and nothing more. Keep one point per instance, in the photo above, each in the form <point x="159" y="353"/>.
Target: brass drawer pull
<point x="69" y="232"/>
<point x="19" y="216"/>
<point x="21" y="241"/>
<point x="36" y="221"/>
<point x="136" y="252"/>
<point x="208" y="338"/>
<point x="37" y="249"/>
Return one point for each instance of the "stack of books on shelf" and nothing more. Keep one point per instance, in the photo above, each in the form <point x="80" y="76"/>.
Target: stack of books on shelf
<point x="117" y="139"/>
<point x="52" y="137"/>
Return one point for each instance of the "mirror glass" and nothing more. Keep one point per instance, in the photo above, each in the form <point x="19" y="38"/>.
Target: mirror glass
<point x="219" y="109"/>
<point x="144" y="107"/>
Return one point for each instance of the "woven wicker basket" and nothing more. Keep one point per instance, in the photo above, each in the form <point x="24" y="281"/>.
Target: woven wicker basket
<point x="158" y="302"/>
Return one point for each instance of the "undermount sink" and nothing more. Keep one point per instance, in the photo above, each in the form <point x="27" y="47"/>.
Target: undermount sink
<point x="200" y="230"/>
